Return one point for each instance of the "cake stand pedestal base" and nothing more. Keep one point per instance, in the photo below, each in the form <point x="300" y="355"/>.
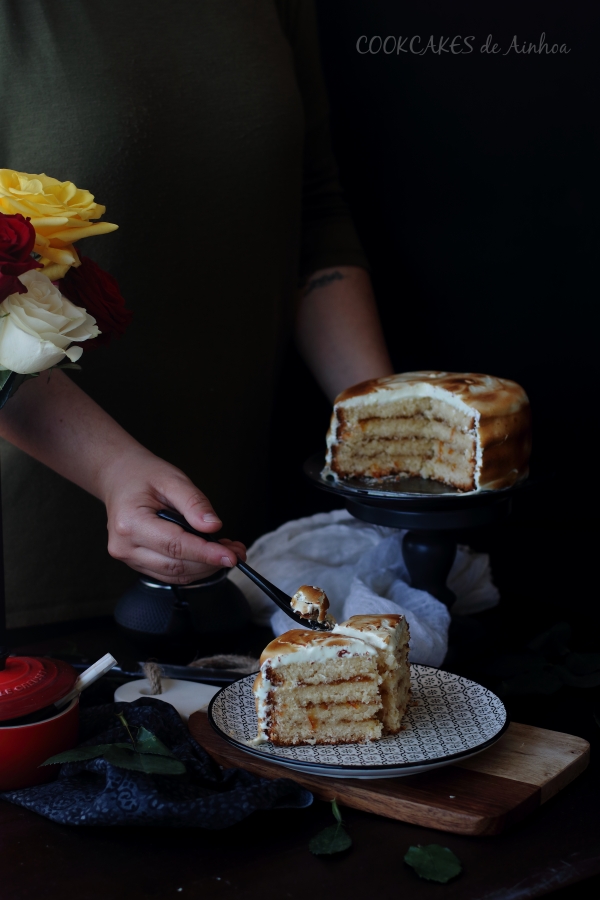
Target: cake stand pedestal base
<point x="428" y="556"/>
<point x="432" y="515"/>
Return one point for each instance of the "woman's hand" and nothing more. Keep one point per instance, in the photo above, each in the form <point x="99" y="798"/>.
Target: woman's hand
<point x="134" y="487"/>
<point x="55" y="422"/>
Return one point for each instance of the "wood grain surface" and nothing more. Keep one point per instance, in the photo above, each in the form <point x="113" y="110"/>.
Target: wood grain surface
<point x="481" y="796"/>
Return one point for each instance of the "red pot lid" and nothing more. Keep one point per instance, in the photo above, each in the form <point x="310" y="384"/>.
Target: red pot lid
<point x="29" y="683"/>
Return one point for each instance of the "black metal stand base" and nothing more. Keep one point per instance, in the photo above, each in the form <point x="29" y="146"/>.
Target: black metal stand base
<point x="429" y="545"/>
<point x="428" y="556"/>
<point x="431" y="520"/>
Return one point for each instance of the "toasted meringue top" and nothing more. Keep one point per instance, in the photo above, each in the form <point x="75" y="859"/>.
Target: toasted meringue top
<point x="377" y="630"/>
<point x="299" y="645"/>
<point x="487" y="394"/>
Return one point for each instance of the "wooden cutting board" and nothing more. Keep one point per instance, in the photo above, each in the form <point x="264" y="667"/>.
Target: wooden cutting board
<point x="482" y="795"/>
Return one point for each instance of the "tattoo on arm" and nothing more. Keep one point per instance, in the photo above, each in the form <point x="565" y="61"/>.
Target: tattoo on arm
<point x="322" y="281"/>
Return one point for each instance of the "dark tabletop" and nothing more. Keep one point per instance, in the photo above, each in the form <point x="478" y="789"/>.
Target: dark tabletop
<point x="556" y="850"/>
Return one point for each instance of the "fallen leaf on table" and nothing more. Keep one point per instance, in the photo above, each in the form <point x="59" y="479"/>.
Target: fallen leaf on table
<point x="333" y="839"/>
<point x="433" y="862"/>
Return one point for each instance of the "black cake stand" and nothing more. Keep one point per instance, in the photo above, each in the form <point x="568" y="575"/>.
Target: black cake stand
<point x="431" y="512"/>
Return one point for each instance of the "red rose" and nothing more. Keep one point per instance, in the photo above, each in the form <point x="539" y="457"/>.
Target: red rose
<point x="90" y="286"/>
<point x="17" y="237"/>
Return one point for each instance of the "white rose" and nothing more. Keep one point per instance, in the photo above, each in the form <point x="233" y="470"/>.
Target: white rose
<point x="37" y="328"/>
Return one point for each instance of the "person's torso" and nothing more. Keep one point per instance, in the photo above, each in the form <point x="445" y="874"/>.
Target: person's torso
<point x="185" y="120"/>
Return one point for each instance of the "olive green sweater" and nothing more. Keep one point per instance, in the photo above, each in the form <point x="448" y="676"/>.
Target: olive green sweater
<point x="202" y="126"/>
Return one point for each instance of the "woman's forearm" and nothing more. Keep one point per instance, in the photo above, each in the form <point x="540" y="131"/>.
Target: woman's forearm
<point x="54" y="421"/>
<point x="338" y="331"/>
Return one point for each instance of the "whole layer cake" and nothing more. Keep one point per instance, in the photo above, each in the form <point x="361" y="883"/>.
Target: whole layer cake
<point x="349" y="685"/>
<point x="470" y="431"/>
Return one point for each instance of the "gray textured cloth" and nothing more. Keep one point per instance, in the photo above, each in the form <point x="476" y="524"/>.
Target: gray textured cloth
<point x="203" y="129"/>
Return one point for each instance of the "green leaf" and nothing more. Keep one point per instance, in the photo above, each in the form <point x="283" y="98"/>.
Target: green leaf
<point x="4" y="376"/>
<point x="146" y="754"/>
<point x="125" y="758"/>
<point x="75" y="366"/>
<point x="77" y="755"/>
<point x="336" y="811"/>
<point x="146" y="742"/>
<point x="333" y="839"/>
<point x="121" y="717"/>
<point x="433" y="862"/>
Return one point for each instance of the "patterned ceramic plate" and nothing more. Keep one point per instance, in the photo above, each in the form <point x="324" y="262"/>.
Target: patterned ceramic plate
<point x="453" y="718"/>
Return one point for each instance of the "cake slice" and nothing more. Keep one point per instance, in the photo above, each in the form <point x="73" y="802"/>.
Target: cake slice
<point x="389" y="636"/>
<point x="318" y="688"/>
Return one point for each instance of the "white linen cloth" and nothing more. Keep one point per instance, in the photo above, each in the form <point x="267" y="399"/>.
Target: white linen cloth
<point x="361" y="569"/>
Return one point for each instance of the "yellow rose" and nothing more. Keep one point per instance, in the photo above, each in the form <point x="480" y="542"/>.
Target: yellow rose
<point x="60" y="213"/>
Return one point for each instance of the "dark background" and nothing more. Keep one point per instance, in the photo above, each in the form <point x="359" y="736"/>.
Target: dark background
<point x="473" y="181"/>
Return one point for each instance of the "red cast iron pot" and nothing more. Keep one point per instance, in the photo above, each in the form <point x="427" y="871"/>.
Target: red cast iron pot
<point x="31" y="728"/>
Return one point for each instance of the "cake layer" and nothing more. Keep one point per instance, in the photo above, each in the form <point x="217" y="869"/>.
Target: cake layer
<point x="407" y="406"/>
<point x="329" y="732"/>
<point x="352" y="691"/>
<point x="453" y="473"/>
<point x="405" y="446"/>
<point x="408" y="427"/>
<point x="321" y="715"/>
<point x="330" y="671"/>
<point x="457" y="473"/>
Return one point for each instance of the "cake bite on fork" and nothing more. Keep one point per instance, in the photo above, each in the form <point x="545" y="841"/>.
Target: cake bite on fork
<point x="312" y="603"/>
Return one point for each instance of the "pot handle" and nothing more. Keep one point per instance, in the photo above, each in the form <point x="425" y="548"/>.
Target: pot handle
<point x="99" y="668"/>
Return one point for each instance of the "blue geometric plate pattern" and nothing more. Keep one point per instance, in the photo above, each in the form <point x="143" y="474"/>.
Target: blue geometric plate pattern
<point x="450" y="718"/>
